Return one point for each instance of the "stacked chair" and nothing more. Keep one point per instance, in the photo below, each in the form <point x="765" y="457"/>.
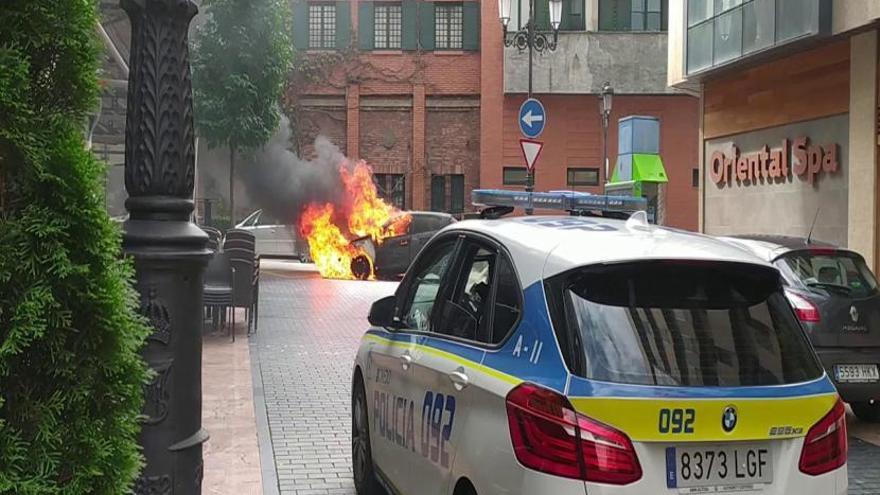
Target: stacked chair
<point x="214" y="237"/>
<point x="218" y="294"/>
<point x="240" y="246"/>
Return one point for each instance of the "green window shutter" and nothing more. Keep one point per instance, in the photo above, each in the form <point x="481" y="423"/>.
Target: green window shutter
<point x="426" y="25"/>
<point x="343" y="25"/>
<point x="542" y="14"/>
<point x="624" y="16"/>
<point x="471" y="26"/>
<point x="573" y="15"/>
<point x="365" y="26"/>
<point x="438" y="193"/>
<point x="301" y="24"/>
<point x="614" y="15"/>
<point x="409" y="39"/>
<point x="457" y="198"/>
<point x="664" y="15"/>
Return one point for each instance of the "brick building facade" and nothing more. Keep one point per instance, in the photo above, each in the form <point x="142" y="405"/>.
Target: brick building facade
<point x="623" y="42"/>
<point x="396" y="84"/>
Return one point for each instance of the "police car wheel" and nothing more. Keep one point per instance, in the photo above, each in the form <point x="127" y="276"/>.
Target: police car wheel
<point x="361" y="455"/>
<point x="867" y="411"/>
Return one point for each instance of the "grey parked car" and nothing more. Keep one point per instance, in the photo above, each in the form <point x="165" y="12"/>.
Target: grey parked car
<point x="835" y="295"/>
<point x="274" y="239"/>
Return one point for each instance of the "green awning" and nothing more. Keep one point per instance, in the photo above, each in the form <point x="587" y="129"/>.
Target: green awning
<point x="645" y="168"/>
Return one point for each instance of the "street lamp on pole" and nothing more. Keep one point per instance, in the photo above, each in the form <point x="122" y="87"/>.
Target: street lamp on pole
<point x="530" y="38"/>
<point x="606" y="98"/>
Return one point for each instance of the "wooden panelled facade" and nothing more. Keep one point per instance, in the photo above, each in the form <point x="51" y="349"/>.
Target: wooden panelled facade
<point x="806" y="86"/>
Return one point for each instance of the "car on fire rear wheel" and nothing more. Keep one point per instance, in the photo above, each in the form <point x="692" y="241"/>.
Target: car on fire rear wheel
<point x="361" y="453"/>
<point x="360" y="267"/>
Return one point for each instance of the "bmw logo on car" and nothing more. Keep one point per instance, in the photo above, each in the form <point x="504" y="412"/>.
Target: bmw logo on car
<point x="728" y="419"/>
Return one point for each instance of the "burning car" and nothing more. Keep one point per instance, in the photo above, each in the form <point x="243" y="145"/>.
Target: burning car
<point x="392" y="253"/>
<point x="352" y="230"/>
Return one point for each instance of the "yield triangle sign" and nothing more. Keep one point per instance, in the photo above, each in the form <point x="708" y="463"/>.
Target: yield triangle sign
<point x="531" y="150"/>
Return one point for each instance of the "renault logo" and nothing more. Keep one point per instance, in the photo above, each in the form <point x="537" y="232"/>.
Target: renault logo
<point x="854" y="314"/>
<point x="728" y="419"/>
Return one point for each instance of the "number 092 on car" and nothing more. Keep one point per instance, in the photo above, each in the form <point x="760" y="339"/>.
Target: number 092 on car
<point x="582" y="355"/>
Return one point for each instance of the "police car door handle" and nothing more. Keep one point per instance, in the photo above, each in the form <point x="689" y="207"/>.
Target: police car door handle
<point x="405" y="360"/>
<point x="459" y="378"/>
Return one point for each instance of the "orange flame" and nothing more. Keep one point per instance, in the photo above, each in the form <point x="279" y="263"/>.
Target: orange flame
<point x="363" y="214"/>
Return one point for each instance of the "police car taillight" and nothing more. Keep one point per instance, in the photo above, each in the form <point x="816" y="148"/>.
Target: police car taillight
<point x="825" y="446"/>
<point x="549" y="436"/>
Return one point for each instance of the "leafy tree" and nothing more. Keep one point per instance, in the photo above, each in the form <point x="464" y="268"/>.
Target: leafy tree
<point x="240" y="63"/>
<point x="71" y="376"/>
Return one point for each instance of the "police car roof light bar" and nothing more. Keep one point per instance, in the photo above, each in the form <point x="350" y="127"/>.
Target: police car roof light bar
<point x="570" y="201"/>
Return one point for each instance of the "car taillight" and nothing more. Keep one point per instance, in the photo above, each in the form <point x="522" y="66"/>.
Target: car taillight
<point x="549" y="436"/>
<point x="804" y="309"/>
<point x="825" y="445"/>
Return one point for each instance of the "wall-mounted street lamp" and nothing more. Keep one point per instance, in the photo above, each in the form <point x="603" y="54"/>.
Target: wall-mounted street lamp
<point x="606" y="99"/>
<point x="528" y="37"/>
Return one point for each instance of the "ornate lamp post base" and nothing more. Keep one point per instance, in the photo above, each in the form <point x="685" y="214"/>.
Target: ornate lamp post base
<point x="169" y="251"/>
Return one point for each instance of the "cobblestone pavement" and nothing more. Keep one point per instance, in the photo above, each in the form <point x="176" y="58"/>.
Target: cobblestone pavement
<point x="309" y="330"/>
<point x="308" y="334"/>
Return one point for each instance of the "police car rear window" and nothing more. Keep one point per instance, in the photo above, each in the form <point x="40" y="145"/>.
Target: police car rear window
<point x="676" y="323"/>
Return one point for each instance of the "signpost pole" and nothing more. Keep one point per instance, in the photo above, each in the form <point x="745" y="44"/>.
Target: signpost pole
<point x="530" y="171"/>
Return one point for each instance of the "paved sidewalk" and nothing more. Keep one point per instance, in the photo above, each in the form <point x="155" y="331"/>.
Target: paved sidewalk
<point x="232" y="462"/>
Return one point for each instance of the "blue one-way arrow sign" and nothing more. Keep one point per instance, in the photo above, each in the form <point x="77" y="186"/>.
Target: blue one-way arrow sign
<point x="532" y="118"/>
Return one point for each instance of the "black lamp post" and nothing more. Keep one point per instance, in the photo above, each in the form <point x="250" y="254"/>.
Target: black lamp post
<point x="531" y="39"/>
<point x="606" y="98"/>
<point x="168" y="249"/>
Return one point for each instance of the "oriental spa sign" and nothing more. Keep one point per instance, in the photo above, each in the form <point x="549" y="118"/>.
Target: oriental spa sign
<point x="798" y="157"/>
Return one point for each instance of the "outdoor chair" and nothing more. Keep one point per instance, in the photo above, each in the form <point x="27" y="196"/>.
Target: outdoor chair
<point x="239" y="239"/>
<point x="218" y="292"/>
<point x="214" y="237"/>
<point x="247" y="282"/>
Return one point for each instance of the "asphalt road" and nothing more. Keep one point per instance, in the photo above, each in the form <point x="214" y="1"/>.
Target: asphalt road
<point x="302" y="355"/>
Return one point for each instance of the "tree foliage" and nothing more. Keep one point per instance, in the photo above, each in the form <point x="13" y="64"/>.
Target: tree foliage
<point x="71" y="376"/>
<point x="241" y="59"/>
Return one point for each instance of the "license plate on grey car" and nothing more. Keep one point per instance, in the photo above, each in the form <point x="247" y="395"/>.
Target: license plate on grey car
<point x="856" y="373"/>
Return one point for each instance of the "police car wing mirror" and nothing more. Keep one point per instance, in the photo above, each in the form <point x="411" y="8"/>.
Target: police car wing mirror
<point x="382" y="312"/>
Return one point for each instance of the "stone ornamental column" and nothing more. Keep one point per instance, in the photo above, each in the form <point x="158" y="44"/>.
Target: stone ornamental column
<point x="168" y="249"/>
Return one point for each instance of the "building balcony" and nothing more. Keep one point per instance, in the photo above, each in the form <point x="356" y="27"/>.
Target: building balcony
<point x="634" y="62"/>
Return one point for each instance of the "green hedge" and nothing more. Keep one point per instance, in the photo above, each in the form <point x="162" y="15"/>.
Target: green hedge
<point x="71" y="376"/>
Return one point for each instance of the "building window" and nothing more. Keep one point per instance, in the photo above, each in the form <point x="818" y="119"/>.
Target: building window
<point x="695" y="177"/>
<point x="392" y="188"/>
<point x="515" y="176"/>
<point x="583" y="176"/>
<point x="387" y="25"/>
<point x="322" y="25"/>
<point x="438" y="193"/>
<point x="448" y="26"/>
<point x="633" y="15"/>
<point x="722" y="31"/>
<point x="647" y="15"/>
<point x="457" y="195"/>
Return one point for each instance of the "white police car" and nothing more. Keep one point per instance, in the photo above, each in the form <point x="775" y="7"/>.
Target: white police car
<point x="583" y="355"/>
